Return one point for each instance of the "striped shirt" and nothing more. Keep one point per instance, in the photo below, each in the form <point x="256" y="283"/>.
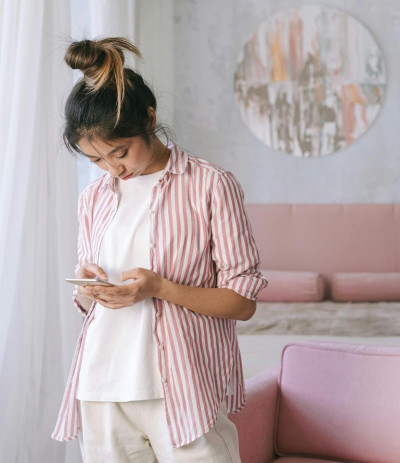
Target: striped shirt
<point x="200" y="236"/>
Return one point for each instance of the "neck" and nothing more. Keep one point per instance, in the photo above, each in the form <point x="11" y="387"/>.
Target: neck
<point x="161" y="157"/>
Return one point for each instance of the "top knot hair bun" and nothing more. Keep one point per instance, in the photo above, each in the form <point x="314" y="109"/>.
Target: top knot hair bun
<point x="102" y="63"/>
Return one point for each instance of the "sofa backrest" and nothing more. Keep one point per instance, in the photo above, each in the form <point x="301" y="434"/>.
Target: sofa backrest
<point x="340" y="401"/>
<point x="327" y="238"/>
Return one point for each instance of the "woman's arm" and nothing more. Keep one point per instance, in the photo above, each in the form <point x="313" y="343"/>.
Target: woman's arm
<point x="236" y="259"/>
<point x="233" y="248"/>
<point x="215" y="302"/>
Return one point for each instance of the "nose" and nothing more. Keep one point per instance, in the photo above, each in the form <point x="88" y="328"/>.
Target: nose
<point x="115" y="172"/>
<point x="115" y="169"/>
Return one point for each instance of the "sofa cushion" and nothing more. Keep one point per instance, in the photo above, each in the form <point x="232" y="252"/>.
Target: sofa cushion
<point x="303" y="460"/>
<point x="292" y="286"/>
<point x="365" y="286"/>
<point x="340" y="401"/>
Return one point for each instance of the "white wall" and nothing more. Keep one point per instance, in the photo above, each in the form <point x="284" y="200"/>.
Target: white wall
<point x="208" y="37"/>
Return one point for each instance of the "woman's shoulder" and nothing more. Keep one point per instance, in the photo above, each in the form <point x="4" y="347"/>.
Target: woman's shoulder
<point x="200" y="164"/>
<point x="217" y="174"/>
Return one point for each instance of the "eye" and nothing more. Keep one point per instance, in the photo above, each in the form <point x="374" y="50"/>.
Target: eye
<point x="126" y="152"/>
<point x="119" y="157"/>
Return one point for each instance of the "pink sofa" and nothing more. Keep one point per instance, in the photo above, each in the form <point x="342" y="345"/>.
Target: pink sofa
<point x="326" y="402"/>
<point x="332" y="239"/>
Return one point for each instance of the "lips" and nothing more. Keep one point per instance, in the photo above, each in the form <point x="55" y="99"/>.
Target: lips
<point x="128" y="176"/>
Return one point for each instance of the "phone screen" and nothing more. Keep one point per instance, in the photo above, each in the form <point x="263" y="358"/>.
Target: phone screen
<point x="88" y="282"/>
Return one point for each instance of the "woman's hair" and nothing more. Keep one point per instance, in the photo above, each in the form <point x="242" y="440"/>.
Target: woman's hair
<point x="110" y="101"/>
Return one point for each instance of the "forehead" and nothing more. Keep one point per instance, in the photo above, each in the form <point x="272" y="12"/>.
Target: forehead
<point x="97" y="147"/>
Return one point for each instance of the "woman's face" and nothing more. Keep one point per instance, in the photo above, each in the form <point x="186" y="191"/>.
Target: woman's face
<point x="128" y="156"/>
<point x="122" y="157"/>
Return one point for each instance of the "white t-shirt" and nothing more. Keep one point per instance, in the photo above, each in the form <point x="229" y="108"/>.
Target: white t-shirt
<point x="120" y="360"/>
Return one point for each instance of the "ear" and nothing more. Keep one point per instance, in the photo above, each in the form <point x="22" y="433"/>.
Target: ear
<point x="152" y="117"/>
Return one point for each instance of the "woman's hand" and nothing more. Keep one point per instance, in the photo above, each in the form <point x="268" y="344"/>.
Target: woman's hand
<point x="89" y="270"/>
<point x="146" y="284"/>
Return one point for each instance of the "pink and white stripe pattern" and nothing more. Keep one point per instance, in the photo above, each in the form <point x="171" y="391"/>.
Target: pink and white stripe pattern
<point x="200" y="236"/>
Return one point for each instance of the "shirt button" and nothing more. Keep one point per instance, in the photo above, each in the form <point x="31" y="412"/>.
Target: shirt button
<point x="164" y="379"/>
<point x="161" y="346"/>
<point x="153" y="211"/>
<point x="153" y="245"/>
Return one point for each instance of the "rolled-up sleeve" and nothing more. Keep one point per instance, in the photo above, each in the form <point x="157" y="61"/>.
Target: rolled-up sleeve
<point x="234" y="250"/>
<point x="83" y="246"/>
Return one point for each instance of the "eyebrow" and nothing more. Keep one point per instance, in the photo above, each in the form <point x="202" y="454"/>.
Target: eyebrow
<point x="112" y="151"/>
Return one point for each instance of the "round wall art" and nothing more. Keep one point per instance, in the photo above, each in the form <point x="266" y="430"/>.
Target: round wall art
<point x="310" y="81"/>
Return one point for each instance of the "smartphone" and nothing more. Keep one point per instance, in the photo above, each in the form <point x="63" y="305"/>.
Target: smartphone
<point x="88" y="282"/>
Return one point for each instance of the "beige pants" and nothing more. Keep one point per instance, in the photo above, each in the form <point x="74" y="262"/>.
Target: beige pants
<point x="137" y="431"/>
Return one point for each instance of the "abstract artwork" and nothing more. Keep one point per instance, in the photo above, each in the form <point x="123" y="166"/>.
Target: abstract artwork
<point x="310" y="81"/>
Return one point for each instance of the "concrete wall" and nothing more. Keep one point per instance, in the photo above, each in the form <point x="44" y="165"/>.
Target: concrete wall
<point x="208" y="38"/>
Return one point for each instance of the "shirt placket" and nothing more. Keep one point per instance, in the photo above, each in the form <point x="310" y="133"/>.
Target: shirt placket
<point x="154" y="266"/>
<point x="90" y="314"/>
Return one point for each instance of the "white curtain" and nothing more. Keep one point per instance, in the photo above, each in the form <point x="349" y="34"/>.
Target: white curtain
<point x="39" y="325"/>
<point x="38" y="227"/>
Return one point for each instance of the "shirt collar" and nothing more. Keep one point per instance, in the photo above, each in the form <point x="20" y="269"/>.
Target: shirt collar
<point x="176" y="164"/>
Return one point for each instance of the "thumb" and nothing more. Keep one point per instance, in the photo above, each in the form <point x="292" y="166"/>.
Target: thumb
<point x="128" y="274"/>
<point x="90" y="270"/>
<point x="101" y="273"/>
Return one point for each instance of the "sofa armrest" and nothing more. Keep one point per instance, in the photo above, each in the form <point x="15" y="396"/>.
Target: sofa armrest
<point x="255" y="422"/>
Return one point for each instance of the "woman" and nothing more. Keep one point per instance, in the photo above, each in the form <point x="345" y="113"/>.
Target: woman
<point x="157" y="361"/>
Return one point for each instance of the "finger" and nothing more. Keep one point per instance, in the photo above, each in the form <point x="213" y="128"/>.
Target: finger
<point x="98" y="289"/>
<point x="92" y="288"/>
<point x="111" y="293"/>
<point x="109" y="305"/>
<point x="86" y="271"/>
<point x="92" y="270"/>
<point x="85" y="294"/>
<point x="90" y="296"/>
<point x="85" y="290"/>
<point x="110" y="299"/>
<point x="114" y="295"/>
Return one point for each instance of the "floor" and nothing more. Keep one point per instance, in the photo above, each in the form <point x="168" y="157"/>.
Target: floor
<point x="263" y="351"/>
